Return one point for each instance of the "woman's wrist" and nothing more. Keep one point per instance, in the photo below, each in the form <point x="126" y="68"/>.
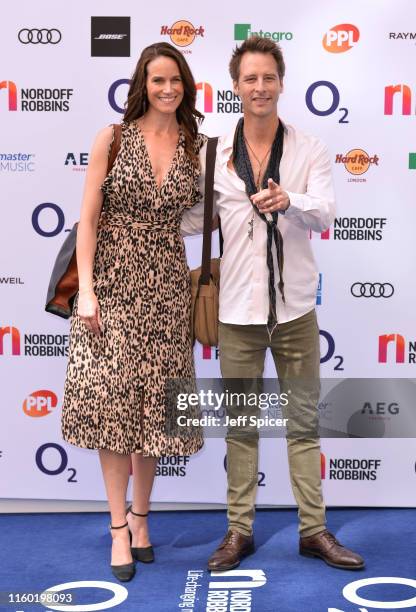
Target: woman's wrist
<point x="86" y="289"/>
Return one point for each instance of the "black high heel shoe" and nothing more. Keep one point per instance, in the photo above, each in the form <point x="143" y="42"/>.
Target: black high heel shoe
<point x="125" y="572"/>
<point x="144" y="554"/>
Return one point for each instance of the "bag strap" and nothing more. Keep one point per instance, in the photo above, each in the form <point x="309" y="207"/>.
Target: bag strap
<point x="115" y="146"/>
<point x="208" y="205"/>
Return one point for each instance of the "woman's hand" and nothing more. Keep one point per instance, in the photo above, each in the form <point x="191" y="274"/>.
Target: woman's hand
<point x="89" y="311"/>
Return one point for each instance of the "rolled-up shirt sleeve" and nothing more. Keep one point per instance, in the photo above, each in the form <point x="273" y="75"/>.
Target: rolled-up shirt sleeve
<point x="316" y="207"/>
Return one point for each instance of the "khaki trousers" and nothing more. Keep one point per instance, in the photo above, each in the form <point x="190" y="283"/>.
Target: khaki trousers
<point x="295" y="350"/>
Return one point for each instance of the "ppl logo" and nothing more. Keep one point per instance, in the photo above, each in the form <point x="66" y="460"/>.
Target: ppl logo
<point x="14" y="334"/>
<point x="12" y="93"/>
<point x="341" y="38"/>
<point x="389" y="93"/>
<point x="207" y="96"/>
<point x="323" y="466"/>
<point x="40" y="403"/>
<point x="182" y="33"/>
<point x="400" y="353"/>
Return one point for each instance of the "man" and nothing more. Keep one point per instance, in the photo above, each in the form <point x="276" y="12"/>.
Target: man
<point x="272" y="186"/>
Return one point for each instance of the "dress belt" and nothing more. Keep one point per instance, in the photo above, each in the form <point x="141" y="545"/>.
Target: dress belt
<point x="131" y="223"/>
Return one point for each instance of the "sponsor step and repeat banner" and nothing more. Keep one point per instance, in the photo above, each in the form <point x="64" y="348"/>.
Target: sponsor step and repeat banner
<point x="350" y="81"/>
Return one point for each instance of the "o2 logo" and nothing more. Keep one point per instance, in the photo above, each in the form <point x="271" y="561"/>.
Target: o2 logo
<point x="54" y="593"/>
<point x="62" y="456"/>
<point x="261" y="475"/>
<point x="324" y="88"/>
<point x="112" y="94"/>
<point x="350" y="593"/>
<point x="55" y="220"/>
<point x="328" y="354"/>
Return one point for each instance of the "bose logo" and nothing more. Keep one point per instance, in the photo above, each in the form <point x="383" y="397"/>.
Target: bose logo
<point x="110" y="37"/>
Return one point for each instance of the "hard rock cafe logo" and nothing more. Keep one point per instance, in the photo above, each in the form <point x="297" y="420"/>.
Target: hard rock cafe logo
<point x="182" y="33"/>
<point x="356" y="161"/>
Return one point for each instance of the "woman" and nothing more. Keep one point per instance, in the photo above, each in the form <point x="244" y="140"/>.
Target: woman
<point x="130" y="327"/>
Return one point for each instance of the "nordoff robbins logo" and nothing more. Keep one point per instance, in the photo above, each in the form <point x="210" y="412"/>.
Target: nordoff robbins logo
<point x="224" y="592"/>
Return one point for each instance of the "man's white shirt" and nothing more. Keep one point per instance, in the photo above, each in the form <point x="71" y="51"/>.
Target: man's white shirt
<point x="305" y="174"/>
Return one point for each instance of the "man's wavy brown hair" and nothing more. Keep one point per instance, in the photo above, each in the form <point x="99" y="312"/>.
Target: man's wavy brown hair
<point x="256" y="44"/>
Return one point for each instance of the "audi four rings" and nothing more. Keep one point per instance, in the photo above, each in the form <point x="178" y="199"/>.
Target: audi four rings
<point x="42" y="36"/>
<point x="376" y="290"/>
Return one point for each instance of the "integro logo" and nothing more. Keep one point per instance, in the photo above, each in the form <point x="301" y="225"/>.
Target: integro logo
<point x="182" y="33"/>
<point x="340" y="38"/>
<point x="40" y="403"/>
<point x="226" y="100"/>
<point x="349" y="469"/>
<point x="242" y="31"/>
<point x="390" y="92"/>
<point x="36" y="99"/>
<point x="401" y="355"/>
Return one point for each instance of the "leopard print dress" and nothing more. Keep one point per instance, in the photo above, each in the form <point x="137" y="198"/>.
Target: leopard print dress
<point x="115" y="385"/>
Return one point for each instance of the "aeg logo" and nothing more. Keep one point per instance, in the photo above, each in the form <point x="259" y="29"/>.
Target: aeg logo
<point x="40" y="403"/>
<point x="340" y="38"/>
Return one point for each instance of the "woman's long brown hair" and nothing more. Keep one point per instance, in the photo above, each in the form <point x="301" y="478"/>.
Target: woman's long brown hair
<point x="137" y="103"/>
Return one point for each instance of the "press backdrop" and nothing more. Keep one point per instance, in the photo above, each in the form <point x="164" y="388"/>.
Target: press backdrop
<point x="351" y="81"/>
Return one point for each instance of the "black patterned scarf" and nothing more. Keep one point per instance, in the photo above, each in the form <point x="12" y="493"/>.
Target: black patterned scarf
<point x="242" y="165"/>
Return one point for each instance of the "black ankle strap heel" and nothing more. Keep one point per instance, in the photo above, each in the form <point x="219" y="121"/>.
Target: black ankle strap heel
<point x="125" y="572"/>
<point x="144" y="554"/>
<point x="130" y="509"/>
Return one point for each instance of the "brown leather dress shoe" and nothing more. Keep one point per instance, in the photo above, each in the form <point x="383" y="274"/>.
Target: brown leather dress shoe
<point x="325" y="546"/>
<point x="234" y="547"/>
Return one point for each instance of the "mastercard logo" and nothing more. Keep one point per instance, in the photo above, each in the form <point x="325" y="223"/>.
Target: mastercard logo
<point x="341" y="38"/>
<point x="40" y="403"/>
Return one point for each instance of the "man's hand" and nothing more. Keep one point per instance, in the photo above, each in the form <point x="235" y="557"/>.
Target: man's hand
<point x="271" y="199"/>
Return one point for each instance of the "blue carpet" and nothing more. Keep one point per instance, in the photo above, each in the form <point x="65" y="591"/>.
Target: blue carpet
<point x="42" y="550"/>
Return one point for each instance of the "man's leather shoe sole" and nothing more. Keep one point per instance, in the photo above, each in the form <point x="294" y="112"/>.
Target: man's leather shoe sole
<point x="230" y="566"/>
<point x="306" y="553"/>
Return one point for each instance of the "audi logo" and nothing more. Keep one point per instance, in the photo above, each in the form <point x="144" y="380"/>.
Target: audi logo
<point x="42" y="36"/>
<point x="376" y="290"/>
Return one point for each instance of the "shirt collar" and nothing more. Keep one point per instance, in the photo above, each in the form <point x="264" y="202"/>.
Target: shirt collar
<point x="228" y="140"/>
